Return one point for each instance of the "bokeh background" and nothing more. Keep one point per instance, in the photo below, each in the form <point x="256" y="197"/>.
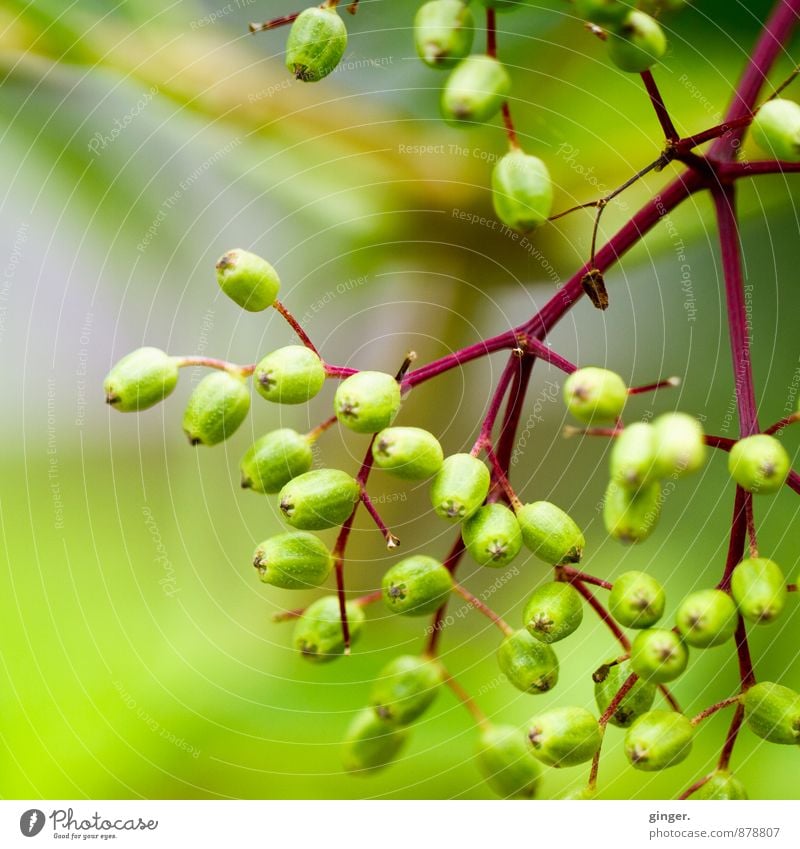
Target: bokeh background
<point x="139" y="141"/>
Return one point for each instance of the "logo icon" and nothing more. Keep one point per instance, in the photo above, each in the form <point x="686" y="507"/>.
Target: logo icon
<point x="31" y="822"/>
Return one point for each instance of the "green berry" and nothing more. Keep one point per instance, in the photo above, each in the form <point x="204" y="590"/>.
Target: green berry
<point x="603" y="12"/>
<point x="405" y="688"/>
<point x="759" y="589"/>
<point x="553" y="612"/>
<point x="522" y="192"/>
<point x="679" y="445"/>
<point x="371" y="744"/>
<point x="658" y="739"/>
<point x="416" y="586"/>
<point x="707" y="618"/>
<point x="633" y="456"/>
<point x="531" y="666"/>
<point x="773" y="712"/>
<point x="322" y="498"/>
<point x="550" y="533"/>
<point x="410" y="453"/>
<point x="443" y="31"/>
<point x="274" y="459"/>
<point x="293" y="561"/>
<point x="492" y="535"/>
<point x="290" y="375"/>
<point x="721" y="786"/>
<point x="475" y="90"/>
<point x="565" y="736"/>
<point x="595" y="395"/>
<point x="506" y="762"/>
<point x="460" y="487"/>
<point x="636" y="702"/>
<point x="316" y="43"/>
<point x="140" y="379"/>
<point x="658" y="655"/>
<point x="216" y="408"/>
<point x="776" y="129"/>
<point x="318" y="632"/>
<point x="367" y="401"/>
<point x="637" y="600"/>
<point x="248" y="279"/>
<point x="636" y="43"/>
<point x="759" y="464"/>
<point x="630" y="516"/>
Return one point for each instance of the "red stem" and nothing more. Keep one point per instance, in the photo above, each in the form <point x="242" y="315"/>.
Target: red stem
<point x="487" y="611"/>
<point x="295" y="325"/>
<point x="658" y="104"/>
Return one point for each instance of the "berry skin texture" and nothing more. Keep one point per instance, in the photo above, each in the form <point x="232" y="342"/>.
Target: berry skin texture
<point x="522" y="192"/>
<point x="216" y="408"/>
<point x="460" y="487"/>
<point x="603" y="12"/>
<point x="658" y="739"/>
<point x="773" y="713"/>
<point x="707" y="618"/>
<point x="443" y="32"/>
<point x="318" y="632"/>
<point x="531" y="666"/>
<point x="410" y="453"/>
<point x="274" y="459"/>
<point x="565" y="736"/>
<point x="759" y="464"/>
<point x="550" y="533"/>
<point x="759" y="589"/>
<point x="416" y="586"/>
<point x="630" y="516"/>
<point x="293" y="561"/>
<point x="316" y="43"/>
<point x="492" y="535"/>
<point x="475" y="90"/>
<point x="290" y="375"/>
<point x="371" y="744"/>
<point x="636" y="43"/>
<point x="637" y="600"/>
<point x="658" y="655"/>
<point x="553" y="612"/>
<point x="405" y="688"/>
<point x="319" y="499"/>
<point x="140" y="380"/>
<point x="776" y="129"/>
<point x="679" y="445"/>
<point x="248" y="280"/>
<point x="507" y="763"/>
<point x="595" y="395"/>
<point x="721" y="786"/>
<point x="633" y="456"/>
<point x="635" y="703"/>
<point x="367" y="402"/>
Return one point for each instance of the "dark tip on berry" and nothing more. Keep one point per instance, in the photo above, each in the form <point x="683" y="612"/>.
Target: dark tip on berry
<point x="638" y="754"/>
<point x="542" y="623"/>
<point x="246" y="483"/>
<point x="259" y="563"/>
<point x="348" y="409"/>
<point x="600" y="674"/>
<point x="535" y="736"/>
<point x="397" y="591"/>
<point x="453" y="509"/>
<point x="225" y="261"/>
<point x="266" y="380"/>
<point x="287" y="507"/>
<point x="497" y="550"/>
<point x="383" y="712"/>
<point x="112" y="399"/>
<point x="383" y="447"/>
<point x="193" y="440"/>
<point x="308" y="649"/>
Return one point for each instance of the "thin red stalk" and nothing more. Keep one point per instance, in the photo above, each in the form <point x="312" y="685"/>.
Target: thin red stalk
<point x="653" y="387"/>
<point x="316" y="432"/>
<point x="544" y="352"/>
<point x="751" y="524"/>
<point x="361" y="601"/>
<point x="793" y="481"/>
<point x="391" y="540"/>
<point x="576" y="575"/>
<point x="735" y="170"/>
<point x="275" y="22"/>
<point x="623" y="691"/>
<point x="487" y="611"/>
<point x="500" y="477"/>
<point x="785" y="422"/>
<point x="212" y="362"/>
<point x="711" y="133"/>
<point x="602" y="613"/>
<point x="508" y="123"/>
<point x="710" y="711"/>
<point x="508" y="339"/>
<point x="693" y="788"/>
<point x="660" y="108"/>
<point x="736" y="544"/>
<point x="513" y="411"/>
<point x="721" y="442"/>
<point x="339" y="371"/>
<point x="491" y="33"/>
<point x="437" y="625"/>
<point x="730" y="738"/>
<point x="295" y="325"/>
<point x="510" y="370"/>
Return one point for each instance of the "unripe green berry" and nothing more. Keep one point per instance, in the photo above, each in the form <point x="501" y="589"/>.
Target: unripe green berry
<point x="707" y="618"/>
<point x="475" y="90"/>
<point x="553" y="612"/>
<point x="603" y="12"/>
<point x="318" y="632"/>
<point x="460" y="487"/>
<point x="631" y="515"/>
<point x="410" y="453"/>
<point x="367" y="401"/>
<point x="773" y="712"/>
<point x="565" y="736"/>
<point x="293" y="561"/>
<point x="776" y="129"/>
<point x="522" y="192"/>
<point x="492" y="535"/>
<point x="636" y="702"/>
<point x="679" y="444"/>
<point x="319" y="499"/>
<point x="216" y="408"/>
<point x="507" y="763"/>
<point x="721" y="786"/>
<point x="405" y="688"/>
<point x="759" y="589"/>
<point x="658" y="655"/>
<point x="290" y="375"/>
<point x="633" y="456"/>
<point x="531" y="666"/>
<point x="248" y="279"/>
<point x="595" y="395"/>
<point x="416" y="586"/>
<point x="550" y="533"/>
<point x="636" y="43"/>
<point x="370" y="744"/>
<point x="140" y="379"/>
<point x="658" y="740"/>
<point x="274" y="459"/>
<point x="316" y="43"/>
<point x="759" y="464"/>
<point x="443" y="31"/>
<point x="637" y="600"/>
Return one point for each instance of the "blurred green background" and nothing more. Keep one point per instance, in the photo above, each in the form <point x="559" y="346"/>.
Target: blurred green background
<point x="139" y="141"/>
